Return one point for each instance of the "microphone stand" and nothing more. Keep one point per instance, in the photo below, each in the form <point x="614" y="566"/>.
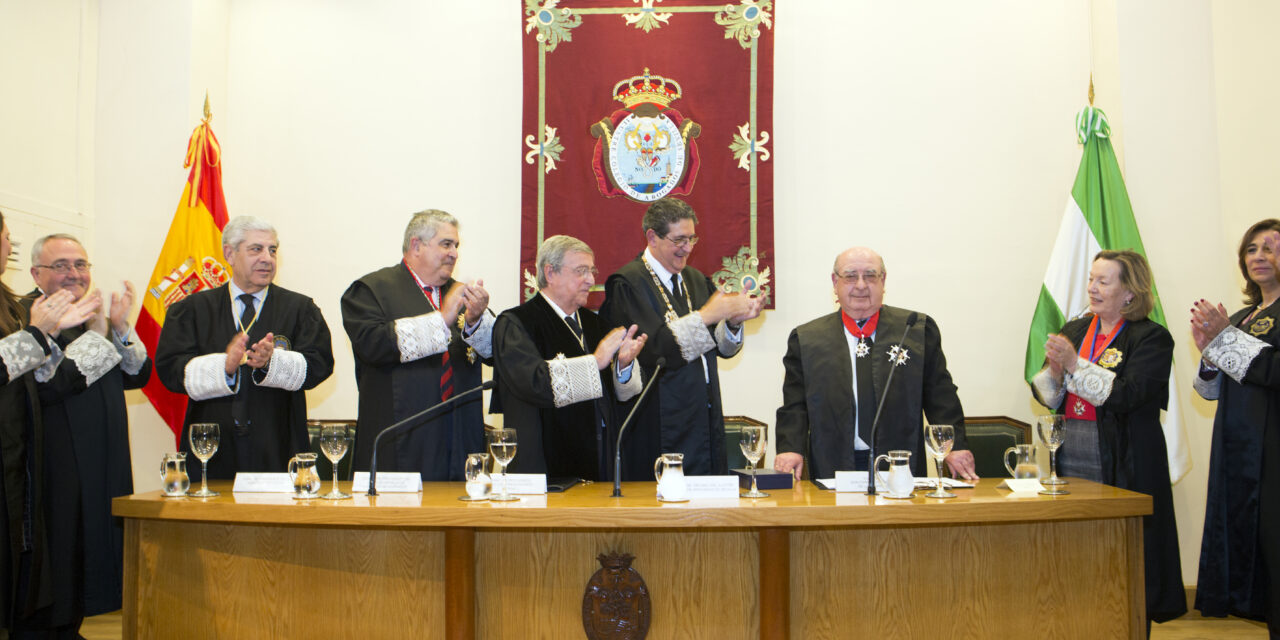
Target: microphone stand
<point x="871" y="468"/>
<point x="429" y="412"/>
<point x="617" y="451"/>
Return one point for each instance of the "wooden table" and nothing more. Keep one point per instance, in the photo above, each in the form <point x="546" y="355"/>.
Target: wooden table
<point x="803" y="562"/>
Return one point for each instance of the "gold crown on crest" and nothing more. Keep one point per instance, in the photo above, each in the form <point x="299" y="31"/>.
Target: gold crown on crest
<point x="646" y="88"/>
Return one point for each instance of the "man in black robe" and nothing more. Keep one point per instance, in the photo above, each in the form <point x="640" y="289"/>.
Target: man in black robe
<point x="828" y="404"/>
<point x="88" y="431"/>
<point x="552" y="360"/>
<point x="419" y="337"/>
<point x="689" y="323"/>
<point x="245" y="353"/>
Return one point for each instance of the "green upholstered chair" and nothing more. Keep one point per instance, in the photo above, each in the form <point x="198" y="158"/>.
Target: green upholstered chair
<point x="989" y="437"/>
<point x="323" y="466"/>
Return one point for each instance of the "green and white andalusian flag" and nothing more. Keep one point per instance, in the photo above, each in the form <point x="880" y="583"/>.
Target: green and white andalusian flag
<point x="1098" y="217"/>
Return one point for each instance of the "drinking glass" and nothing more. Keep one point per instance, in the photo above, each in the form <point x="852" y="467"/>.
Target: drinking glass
<point x="1050" y="430"/>
<point x="502" y="445"/>
<point x="752" y="442"/>
<point x="335" y="439"/>
<point x="938" y="439"/>
<point x="204" y="443"/>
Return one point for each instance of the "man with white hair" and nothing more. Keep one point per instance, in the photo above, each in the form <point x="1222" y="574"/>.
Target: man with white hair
<point x="245" y="353"/>
<point x="419" y="337"/>
<point x="559" y="368"/>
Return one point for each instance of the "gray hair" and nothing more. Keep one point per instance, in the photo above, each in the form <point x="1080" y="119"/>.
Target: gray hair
<point x="38" y="247"/>
<point x="661" y="214"/>
<point x="552" y="252"/>
<point x="425" y="224"/>
<point x="233" y="234"/>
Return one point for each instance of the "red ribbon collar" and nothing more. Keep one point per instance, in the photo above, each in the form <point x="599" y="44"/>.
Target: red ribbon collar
<point x="865" y="330"/>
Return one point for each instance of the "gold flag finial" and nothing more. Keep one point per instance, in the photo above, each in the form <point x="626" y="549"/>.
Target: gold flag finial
<point x="209" y="114"/>
<point x="1090" y="93"/>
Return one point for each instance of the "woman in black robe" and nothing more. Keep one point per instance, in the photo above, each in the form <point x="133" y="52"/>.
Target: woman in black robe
<point x="1109" y="373"/>
<point x="1240" y="547"/>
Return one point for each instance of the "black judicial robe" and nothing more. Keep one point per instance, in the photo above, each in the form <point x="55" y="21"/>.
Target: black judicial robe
<point x="391" y="390"/>
<point x="1132" y="450"/>
<point x="88" y="433"/>
<point x="816" y="418"/>
<point x="204" y="323"/>
<point x="683" y="414"/>
<point x="563" y="442"/>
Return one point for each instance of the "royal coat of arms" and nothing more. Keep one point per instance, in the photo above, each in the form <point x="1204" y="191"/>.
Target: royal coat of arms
<point x="646" y="150"/>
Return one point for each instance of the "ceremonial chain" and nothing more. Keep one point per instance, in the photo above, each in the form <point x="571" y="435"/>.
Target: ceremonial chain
<point x="671" y="312"/>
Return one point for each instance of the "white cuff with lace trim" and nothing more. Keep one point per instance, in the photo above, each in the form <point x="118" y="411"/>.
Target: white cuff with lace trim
<point x="574" y="379"/>
<point x="725" y="341"/>
<point x="132" y="355"/>
<point x="1048" y="389"/>
<point x="629" y="389"/>
<point x="287" y="370"/>
<point x="1091" y="382"/>
<point x="692" y="336"/>
<point x="1233" y="351"/>
<point x="21" y="352"/>
<point x="93" y="354"/>
<point x="482" y="339"/>
<point x="1208" y="389"/>
<point x="50" y="366"/>
<point x="205" y="377"/>
<point x="421" y="336"/>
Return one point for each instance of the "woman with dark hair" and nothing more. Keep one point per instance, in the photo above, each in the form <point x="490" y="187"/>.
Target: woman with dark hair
<point x="1109" y="373"/>
<point x="1240" y="548"/>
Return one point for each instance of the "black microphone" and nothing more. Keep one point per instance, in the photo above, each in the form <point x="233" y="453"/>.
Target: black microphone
<point x="417" y="417"/>
<point x="871" y="468"/>
<point x="617" y="452"/>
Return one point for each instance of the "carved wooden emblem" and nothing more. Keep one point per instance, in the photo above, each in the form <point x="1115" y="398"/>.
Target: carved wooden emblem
<point x="616" y="603"/>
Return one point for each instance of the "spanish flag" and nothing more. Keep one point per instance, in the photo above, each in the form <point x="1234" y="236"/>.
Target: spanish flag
<point x="190" y="260"/>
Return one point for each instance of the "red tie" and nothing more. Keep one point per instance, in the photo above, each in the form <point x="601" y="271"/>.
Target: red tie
<point x="446" y="376"/>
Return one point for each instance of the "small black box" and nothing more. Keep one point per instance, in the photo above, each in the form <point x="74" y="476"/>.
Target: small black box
<point x="765" y="479"/>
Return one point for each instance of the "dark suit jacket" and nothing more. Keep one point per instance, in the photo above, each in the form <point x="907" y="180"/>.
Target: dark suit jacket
<point x="816" y="416"/>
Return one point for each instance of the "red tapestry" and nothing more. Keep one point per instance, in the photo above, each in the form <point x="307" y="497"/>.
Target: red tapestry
<point x="628" y="101"/>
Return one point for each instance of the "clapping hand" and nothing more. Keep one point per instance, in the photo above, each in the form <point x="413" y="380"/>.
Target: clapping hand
<point x="121" y="306"/>
<point x="1207" y="322"/>
<point x="1060" y="354"/>
<point x="259" y="355"/>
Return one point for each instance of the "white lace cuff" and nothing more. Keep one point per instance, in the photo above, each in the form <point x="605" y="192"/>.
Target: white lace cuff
<point x="1091" y="382"/>
<point x="482" y="339"/>
<point x="1208" y="389"/>
<point x="1233" y="351"/>
<point x="132" y="355"/>
<point x="574" y="379"/>
<point x="50" y="366"/>
<point x="421" y="336"/>
<point x="1048" y="388"/>
<point x="205" y="377"/>
<point x="287" y="370"/>
<point x="21" y="352"/>
<point x="726" y="342"/>
<point x="692" y="336"/>
<point x="94" y="356"/>
<point x="629" y="389"/>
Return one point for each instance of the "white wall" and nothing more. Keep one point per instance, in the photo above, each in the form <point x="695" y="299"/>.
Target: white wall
<point x="940" y="133"/>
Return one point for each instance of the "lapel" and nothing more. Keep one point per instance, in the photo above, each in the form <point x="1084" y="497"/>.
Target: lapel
<point x="841" y="382"/>
<point x="558" y="327"/>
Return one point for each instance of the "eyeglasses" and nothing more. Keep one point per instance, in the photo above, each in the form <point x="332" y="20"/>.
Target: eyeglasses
<point x="62" y="267"/>
<point x="852" y="277"/>
<point x="683" y="241"/>
<point x="584" y="270"/>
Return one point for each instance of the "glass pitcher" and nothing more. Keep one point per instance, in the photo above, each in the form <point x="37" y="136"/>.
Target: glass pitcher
<point x="668" y="470"/>
<point x="173" y="474"/>
<point x="1024" y="461"/>
<point x="899" y="481"/>
<point x="306" y="480"/>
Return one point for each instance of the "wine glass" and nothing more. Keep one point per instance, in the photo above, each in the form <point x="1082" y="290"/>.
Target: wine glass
<point x="752" y="442"/>
<point x="1050" y="430"/>
<point x="335" y="439"/>
<point x="502" y="444"/>
<point x="204" y="443"/>
<point x="938" y="439"/>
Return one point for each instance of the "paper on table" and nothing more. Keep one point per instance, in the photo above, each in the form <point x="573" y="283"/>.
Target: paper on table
<point x="1022" y="485"/>
<point x="857" y="481"/>
<point x="389" y="482"/>
<point x="262" y="483"/>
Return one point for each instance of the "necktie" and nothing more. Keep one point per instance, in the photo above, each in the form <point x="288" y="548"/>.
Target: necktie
<point x="677" y="295"/>
<point x="866" y="402"/>
<point x="573" y="324"/>
<point x="240" y="405"/>
<point x="246" y="316"/>
<point x="446" y="373"/>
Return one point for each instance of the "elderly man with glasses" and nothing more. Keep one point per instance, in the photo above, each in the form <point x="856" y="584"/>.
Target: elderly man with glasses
<point x="836" y="369"/>
<point x="690" y="324"/>
<point x="87" y="437"/>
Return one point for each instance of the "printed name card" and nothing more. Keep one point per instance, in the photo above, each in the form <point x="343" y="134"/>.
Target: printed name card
<point x="703" y="487"/>
<point x="262" y="483"/>
<point x="852" y="481"/>
<point x="521" y="483"/>
<point x="1022" y="485"/>
<point x="389" y="482"/>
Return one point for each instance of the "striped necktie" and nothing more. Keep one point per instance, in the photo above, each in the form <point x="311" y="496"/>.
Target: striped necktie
<point x="446" y="374"/>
